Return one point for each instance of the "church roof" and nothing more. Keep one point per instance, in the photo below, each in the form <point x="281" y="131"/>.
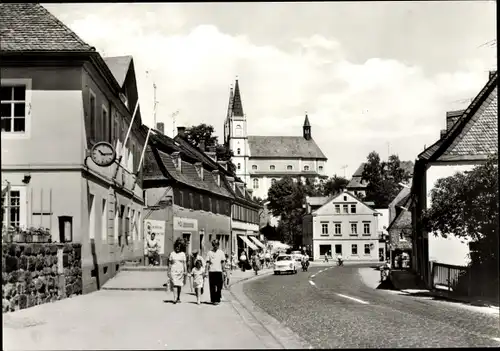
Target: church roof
<point x="306" y="122"/>
<point x="237" y="106"/>
<point x="283" y="147"/>
<point x="31" y="27"/>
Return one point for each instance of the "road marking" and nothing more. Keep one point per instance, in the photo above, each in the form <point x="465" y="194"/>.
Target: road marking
<point x="312" y="276"/>
<point x="354" y="299"/>
<point x="496" y="339"/>
<point x="311" y="282"/>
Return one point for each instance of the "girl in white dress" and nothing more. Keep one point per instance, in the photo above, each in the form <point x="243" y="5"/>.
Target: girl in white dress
<point x="198" y="274"/>
<point x="178" y="269"/>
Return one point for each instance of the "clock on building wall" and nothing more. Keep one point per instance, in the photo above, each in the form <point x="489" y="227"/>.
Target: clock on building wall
<point x="103" y="154"/>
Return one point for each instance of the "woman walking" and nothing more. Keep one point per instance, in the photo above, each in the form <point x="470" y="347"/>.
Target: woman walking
<point x="178" y="269"/>
<point x="215" y="268"/>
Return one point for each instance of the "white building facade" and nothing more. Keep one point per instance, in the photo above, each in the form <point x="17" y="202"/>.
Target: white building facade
<point x="347" y="226"/>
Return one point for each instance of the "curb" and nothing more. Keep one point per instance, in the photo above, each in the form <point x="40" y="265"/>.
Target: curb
<point x="272" y="332"/>
<point x="136" y="289"/>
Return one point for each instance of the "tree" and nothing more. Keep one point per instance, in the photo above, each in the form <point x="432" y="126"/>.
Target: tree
<point x="383" y="179"/>
<point x="205" y="132"/>
<point x="334" y="185"/>
<point x="466" y="205"/>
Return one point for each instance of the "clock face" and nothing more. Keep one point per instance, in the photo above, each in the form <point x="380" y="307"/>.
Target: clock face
<point x="103" y="154"/>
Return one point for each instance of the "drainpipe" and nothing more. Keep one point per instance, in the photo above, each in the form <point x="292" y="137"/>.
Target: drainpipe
<point x="231" y="231"/>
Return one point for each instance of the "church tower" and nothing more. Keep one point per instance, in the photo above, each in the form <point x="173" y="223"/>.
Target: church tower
<point x="306" y="129"/>
<point x="237" y="136"/>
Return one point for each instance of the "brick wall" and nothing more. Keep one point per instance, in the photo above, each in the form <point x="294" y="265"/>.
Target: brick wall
<point x="33" y="274"/>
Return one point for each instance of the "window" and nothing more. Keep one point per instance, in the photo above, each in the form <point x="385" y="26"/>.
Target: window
<point x="238" y="130"/>
<point x="354" y="249"/>
<point x="338" y="229"/>
<point x="210" y="204"/>
<point x="325" y="249"/>
<point x="239" y="165"/>
<point x="133" y="229"/>
<point x="273" y="181"/>
<point x="306" y="168"/>
<point x="320" y="168"/>
<point x="91" y="208"/>
<point x="191" y="200"/>
<point x="367" y="249"/>
<point x="104" y="220"/>
<point x="181" y="198"/>
<point x="324" y="228"/>
<point x="255" y="183"/>
<point x="345" y="209"/>
<point x="289" y="167"/>
<point x="13" y="108"/>
<point x="338" y="249"/>
<point x="217" y="206"/>
<point x="353" y="208"/>
<point x="105" y="123"/>
<point x="138" y="223"/>
<point x="254" y="167"/>
<point x="354" y="228"/>
<point x="16" y="212"/>
<point x="345" y="198"/>
<point x="238" y="151"/>
<point x="366" y="228"/>
<point x="337" y="208"/>
<point x="93" y="122"/>
<point x="272" y="167"/>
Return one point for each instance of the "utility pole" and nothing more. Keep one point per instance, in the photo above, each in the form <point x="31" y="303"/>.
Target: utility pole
<point x="388" y="150"/>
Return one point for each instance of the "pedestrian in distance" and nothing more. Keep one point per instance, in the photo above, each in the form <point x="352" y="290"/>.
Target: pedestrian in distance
<point x="243" y="260"/>
<point x="326" y="257"/>
<point x="267" y="258"/>
<point x="152" y="248"/>
<point x="177" y="268"/>
<point x="227" y="272"/>
<point x="255" y="262"/>
<point x="198" y="276"/>
<point x="261" y="258"/>
<point x="215" y="269"/>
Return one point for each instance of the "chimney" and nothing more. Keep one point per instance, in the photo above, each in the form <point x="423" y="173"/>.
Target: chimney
<point x="216" y="176"/>
<point x="223" y="164"/>
<point x="443" y="132"/>
<point x="160" y="126"/>
<point x="250" y="191"/>
<point x="211" y="153"/>
<point x="176" y="157"/>
<point x="181" y="131"/>
<point x="201" y="145"/>
<point x="199" y="169"/>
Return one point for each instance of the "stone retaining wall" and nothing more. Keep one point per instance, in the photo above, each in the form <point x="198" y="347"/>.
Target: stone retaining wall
<point x="33" y="274"/>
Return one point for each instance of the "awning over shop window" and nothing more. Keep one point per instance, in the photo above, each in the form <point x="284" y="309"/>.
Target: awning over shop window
<point x="248" y="242"/>
<point x="255" y="240"/>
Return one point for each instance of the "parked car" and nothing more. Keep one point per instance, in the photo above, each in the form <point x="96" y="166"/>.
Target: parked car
<point x="286" y="263"/>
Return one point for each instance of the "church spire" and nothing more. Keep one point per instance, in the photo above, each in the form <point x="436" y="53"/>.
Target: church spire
<point x="306" y="128"/>
<point x="237" y="106"/>
<point x="230" y="106"/>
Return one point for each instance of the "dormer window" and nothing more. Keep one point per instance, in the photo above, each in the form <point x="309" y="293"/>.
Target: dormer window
<point x="289" y="167"/>
<point x="254" y="167"/>
<point x="272" y="167"/>
<point x="306" y="168"/>
<point x="238" y="151"/>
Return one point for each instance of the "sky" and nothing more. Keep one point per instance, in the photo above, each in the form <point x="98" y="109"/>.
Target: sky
<point x="372" y="76"/>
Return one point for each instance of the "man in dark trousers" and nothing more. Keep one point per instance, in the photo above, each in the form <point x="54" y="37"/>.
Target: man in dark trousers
<point x="215" y="269"/>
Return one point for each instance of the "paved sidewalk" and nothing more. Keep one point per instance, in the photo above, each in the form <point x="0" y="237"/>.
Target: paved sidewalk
<point x="122" y="318"/>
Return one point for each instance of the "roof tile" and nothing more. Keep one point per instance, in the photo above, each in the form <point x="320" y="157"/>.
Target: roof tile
<point x="284" y="146"/>
<point x="31" y="27"/>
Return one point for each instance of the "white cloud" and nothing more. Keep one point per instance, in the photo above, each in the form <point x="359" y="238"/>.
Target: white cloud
<point x="353" y="108"/>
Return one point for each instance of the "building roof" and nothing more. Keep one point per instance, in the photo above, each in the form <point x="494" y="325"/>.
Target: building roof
<point x="306" y="122"/>
<point x="283" y="147"/>
<point x="119" y="66"/>
<point x="31" y="27"/>
<point x="237" y="106"/>
<point x="475" y="134"/>
<point x="317" y="200"/>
